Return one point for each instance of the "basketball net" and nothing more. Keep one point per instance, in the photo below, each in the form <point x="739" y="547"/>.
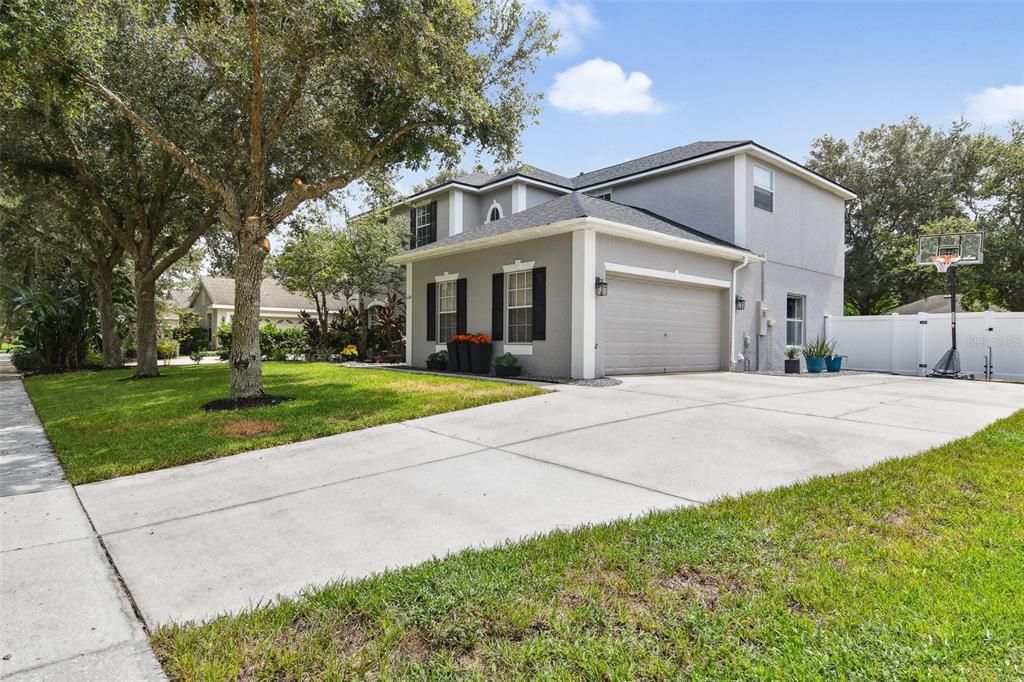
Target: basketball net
<point x="944" y="260"/>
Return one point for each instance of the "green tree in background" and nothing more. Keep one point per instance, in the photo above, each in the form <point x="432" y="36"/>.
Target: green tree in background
<point x="322" y="91"/>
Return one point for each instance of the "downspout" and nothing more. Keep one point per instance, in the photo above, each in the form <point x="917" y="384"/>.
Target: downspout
<point x="732" y="311"/>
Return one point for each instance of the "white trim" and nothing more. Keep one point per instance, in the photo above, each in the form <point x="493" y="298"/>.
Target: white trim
<point x="665" y="275"/>
<point x="732" y="313"/>
<point x="571" y="225"/>
<point x="518" y="265"/>
<point x="446" y="277"/>
<point x="518" y="348"/>
<point x="455" y="212"/>
<point x="584" y="304"/>
<point x="495" y="205"/>
<point x="518" y="197"/>
<point x="753" y="150"/>
<point x="740" y="199"/>
<point x="409" y="300"/>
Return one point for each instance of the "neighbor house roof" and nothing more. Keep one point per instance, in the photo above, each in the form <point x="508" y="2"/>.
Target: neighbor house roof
<point x="569" y="207"/>
<point x="179" y="298"/>
<point x="663" y="160"/>
<point x="272" y="295"/>
<point x="939" y="303"/>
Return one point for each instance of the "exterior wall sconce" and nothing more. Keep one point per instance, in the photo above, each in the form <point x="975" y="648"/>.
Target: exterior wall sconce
<point x="600" y="286"/>
<point x="741" y="303"/>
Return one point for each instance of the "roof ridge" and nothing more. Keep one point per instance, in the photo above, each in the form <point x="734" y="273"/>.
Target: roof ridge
<point x="661" y="151"/>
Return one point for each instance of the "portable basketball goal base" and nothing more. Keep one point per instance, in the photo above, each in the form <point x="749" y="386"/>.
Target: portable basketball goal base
<point x="948" y="253"/>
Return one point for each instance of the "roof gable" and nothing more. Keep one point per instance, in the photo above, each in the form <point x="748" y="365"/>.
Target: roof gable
<point x="221" y="291"/>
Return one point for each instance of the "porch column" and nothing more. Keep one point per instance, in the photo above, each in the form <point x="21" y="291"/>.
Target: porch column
<point x="584" y="305"/>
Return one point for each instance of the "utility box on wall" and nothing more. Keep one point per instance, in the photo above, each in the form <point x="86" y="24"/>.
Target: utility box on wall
<point x="762" y="318"/>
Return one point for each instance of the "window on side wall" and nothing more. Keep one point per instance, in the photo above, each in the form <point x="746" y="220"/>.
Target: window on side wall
<point x="423" y="220"/>
<point x="764" y="188"/>
<point x="607" y="196"/>
<point x="494" y="212"/>
<point x="519" y="294"/>
<point x="794" y="320"/>
<point x="447" y="310"/>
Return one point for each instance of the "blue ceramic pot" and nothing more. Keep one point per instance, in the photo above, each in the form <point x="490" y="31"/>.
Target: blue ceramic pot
<point x="834" y="363"/>
<point x="815" y="365"/>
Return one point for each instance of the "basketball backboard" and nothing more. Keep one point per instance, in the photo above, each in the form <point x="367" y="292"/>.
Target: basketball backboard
<point x="943" y="250"/>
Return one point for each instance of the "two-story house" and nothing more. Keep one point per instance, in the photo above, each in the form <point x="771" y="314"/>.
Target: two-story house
<point x="709" y="256"/>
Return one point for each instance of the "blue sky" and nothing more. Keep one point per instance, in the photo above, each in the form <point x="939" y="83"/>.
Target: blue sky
<point x="780" y="73"/>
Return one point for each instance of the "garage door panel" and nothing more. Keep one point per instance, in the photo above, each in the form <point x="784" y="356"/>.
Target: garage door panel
<point x="654" y="327"/>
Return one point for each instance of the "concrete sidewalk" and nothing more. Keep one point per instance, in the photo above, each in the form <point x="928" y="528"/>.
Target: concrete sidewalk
<point x="223" y="535"/>
<point x="63" y="613"/>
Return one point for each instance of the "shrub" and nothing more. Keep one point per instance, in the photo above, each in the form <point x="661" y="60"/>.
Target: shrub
<point x="167" y="349"/>
<point x="820" y="347"/>
<point x="506" y="360"/>
<point x="93" y="359"/>
<point x="26" y="359"/>
<point x="190" y="338"/>
<point x="439" y="356"/>
<point x="350" y="352"/>
<point x="223" y="335"/>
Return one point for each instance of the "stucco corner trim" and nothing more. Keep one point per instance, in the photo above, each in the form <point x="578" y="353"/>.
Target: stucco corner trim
<point x="665" y="275"/>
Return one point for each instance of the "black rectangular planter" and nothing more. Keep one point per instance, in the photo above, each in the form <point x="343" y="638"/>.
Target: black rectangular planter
<point x="453" y="356"/>
<point x="793" y="366"/>
<point x="480" y="357"/>
<point x="463" y="351"/>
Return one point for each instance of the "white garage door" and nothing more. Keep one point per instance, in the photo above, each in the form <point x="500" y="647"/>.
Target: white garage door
<point x="655" y="327"/>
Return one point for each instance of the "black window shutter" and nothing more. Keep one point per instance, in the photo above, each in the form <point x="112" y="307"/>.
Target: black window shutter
<point x="432" y="311"/>
<point x="540" y="304"/>
<point x="460" y="306"/>
<point x="433" y="222"/>
<point x="497" y="306"/>
<point x="412" y="228"/>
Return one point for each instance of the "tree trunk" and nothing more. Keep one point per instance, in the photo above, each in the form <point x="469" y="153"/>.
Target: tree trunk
<point x="145" y="315"/>
<point x="364" y="327"/>
<point x="111" y="338"/>
<point x="246" y="370"/>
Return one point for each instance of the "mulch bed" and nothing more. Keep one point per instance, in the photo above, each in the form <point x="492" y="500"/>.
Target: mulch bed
<point x="244" y="403"/>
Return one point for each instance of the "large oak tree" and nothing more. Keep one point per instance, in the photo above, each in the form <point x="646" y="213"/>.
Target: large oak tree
<point x="323" y="92"/>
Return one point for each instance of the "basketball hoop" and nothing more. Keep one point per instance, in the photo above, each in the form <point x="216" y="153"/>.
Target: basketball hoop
<point x="942" y="261"/>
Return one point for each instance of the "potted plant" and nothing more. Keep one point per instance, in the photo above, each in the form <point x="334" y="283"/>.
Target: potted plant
<point x="453" y="354"/>
<point x="438" y="360"/>
<point x="480" y="349"/>
<point x="792" y="361"/>
<point x="815" y="352"/>
<point x="833" y="362"/>
<point x="507" y="365"/>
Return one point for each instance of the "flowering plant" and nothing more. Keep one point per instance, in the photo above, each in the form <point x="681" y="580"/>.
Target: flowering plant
<point x="471" y="338"/>
<point x="350" y="352"/>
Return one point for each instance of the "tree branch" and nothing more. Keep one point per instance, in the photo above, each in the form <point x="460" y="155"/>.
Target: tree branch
<point x="186" y="243"/>
<point x="217" y="72"/>
<point x="294" y="93"/>
<point x="256" y="170"/>
<point x="208" y="183"/>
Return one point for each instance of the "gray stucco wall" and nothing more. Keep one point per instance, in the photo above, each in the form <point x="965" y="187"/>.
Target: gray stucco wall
<point x="639" y="254"/>
<point x="701" y="196"/>
<point x="552" y="356"/>
<point x="805" y="230"/>
<point x="502" y="195"/>
<point x="537" y="195"/>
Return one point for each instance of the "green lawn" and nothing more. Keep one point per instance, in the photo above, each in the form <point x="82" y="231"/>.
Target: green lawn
<point x="912" y="569"/>
<point x="104" y="427"/>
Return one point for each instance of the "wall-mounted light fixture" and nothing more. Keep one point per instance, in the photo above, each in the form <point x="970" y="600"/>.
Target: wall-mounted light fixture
<point x="741" y="303"/>
<point x="600" y="286"/>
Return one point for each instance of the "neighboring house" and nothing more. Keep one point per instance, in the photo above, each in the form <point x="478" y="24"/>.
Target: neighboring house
<point x="937" y="304"/>
<point x="710" y="256"/>
<point x="170" y="308"/>
<point x="214" y="302"/>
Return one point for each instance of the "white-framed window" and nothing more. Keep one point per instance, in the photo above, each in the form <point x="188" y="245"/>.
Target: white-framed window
<point x="494" y="213"/>
<point x="447" y="310"/>
<point x="371" y="315"/>
<point x="423" y="218"/>
<point x="795" y="320"/>
<point x="764" y="188"/>
<point x="607" y="196"/>
<point x="519" y="303"/>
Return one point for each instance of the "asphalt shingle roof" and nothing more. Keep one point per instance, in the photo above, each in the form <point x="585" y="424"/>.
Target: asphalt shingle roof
<point x="577" y="205"/>
<point x="621" y="170"/>
<point x="272" y="295"/>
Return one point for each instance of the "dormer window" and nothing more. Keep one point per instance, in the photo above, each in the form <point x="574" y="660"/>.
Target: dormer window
<point x="764" y="188"/>
<point x="494" y="212"/>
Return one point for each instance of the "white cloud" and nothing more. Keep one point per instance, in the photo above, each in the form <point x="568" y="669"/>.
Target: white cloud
<point x="600" y="87"/>
<point x="996" y="105"/>
<point x="572" y="20"/>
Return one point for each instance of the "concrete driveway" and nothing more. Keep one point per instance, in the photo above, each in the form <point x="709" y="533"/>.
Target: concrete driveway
<point x="222" y="535"/>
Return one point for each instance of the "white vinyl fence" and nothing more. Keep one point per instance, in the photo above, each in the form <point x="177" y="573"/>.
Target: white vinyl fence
<point x="912" y="344"/>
